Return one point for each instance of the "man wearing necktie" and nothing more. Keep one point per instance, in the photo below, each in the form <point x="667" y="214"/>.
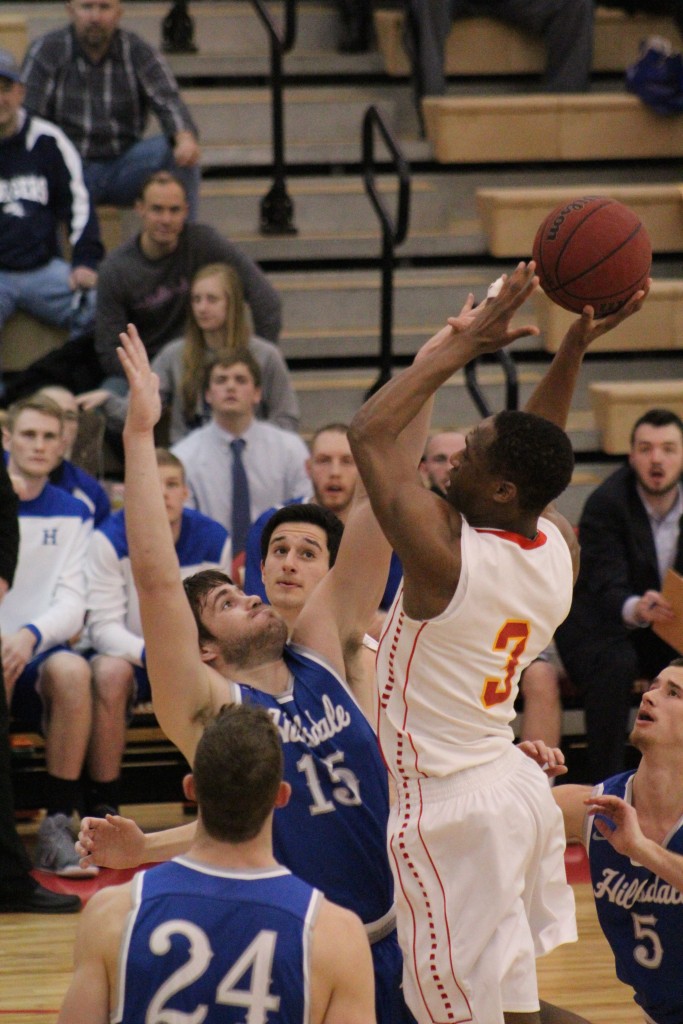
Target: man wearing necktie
<point x="630" y="535"/>
<point x="237" y="466"/>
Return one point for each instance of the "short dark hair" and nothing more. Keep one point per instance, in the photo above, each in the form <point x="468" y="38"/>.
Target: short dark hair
<point x="657" y="418"/>
<point x="227" y="358"/>
<point x="237" y="770"/>
<point x="197" y="587"/>
<point x="676" y="663"/>
<point x="533" y="454"/>
<point x="316" y="515"/>
<point x="161" y="178"/>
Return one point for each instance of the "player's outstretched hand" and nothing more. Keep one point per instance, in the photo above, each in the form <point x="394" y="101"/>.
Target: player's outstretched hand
<point x="488" y="324"/>
<point x="586" y="329"/>
<point x="622" y="829"/>
<point x="550" y="759"/>
<point x="111" y="842"/>
<point x="144" y="405"/>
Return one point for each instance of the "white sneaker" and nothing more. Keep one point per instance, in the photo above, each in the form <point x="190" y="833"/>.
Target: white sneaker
<point x="56" y="852"/>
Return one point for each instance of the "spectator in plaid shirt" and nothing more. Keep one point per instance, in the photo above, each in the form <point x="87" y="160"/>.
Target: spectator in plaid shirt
<point x="98" y="82"/>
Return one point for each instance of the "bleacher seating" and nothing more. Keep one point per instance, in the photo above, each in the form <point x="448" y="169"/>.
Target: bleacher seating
<point x="510" y="216"/>
<point x="485" y="46"/>
<point x="618" y="404"/>
<point x="152" y="769"/>
<point x="546" y="127"/>
<point x="13" y="34"/>
<point x="659" y="325"/>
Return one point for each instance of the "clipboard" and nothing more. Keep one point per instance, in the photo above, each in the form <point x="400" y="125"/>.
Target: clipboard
<point x="672" y="632"/>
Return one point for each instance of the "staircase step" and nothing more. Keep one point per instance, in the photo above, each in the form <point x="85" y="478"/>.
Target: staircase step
<point x="231" y="29"/>
<point x="336" y="302"/>
<point x="334" y="217"/>
<point x="338" y="394"/>
<point x="316" y="118"/>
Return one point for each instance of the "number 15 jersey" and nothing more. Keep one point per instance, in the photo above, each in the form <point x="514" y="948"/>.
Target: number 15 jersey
<point x="447" y="686"/>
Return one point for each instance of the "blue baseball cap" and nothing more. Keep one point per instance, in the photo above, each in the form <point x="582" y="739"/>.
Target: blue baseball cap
<point x="9" y="67"/>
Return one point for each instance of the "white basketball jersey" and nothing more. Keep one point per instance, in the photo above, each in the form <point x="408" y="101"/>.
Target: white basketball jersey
<point x="447" y="686"/>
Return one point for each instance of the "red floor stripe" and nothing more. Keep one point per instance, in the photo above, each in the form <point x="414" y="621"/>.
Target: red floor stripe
<point x="575" y="859"/>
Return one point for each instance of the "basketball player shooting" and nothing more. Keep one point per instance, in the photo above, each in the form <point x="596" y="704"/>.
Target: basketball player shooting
<point x="476" y="843"/>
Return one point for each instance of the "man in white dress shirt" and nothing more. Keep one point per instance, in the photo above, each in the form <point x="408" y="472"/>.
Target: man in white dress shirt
<point x="273" y="460"/>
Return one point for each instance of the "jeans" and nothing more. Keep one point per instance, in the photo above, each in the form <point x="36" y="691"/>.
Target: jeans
<point x="118" y="181"/>
<point x="45" y="294"/>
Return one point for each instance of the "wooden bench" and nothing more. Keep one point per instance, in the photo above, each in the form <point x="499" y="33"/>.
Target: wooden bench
<point x="511" y="216"/>
<point x="485" y="46"/>
<point x="152" y="769"/>
<point x="659" y="325"/>
<point x="618" y="404"/>
<point x="14" y="34"/>
<point x="548" y="127"/>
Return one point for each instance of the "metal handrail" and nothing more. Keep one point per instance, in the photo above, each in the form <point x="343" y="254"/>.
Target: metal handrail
<point x="277" y="209"/>
<point x="511" y="383"/>
<point x="394" y="230"/>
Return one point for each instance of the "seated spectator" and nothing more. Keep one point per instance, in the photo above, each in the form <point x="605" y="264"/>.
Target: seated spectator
<point x="19" y="891"/>
<point x="565" y="26"/>
<point x="333" y="476"/>
<point x="237" y="466"/>
<point x="66" y="475"/>
<point x="48" y="683"/>
<point x="99" y="82"/>
<point x="42" y="190"/>
<point x="115" y="629"/>
<point x="217" y="322"/>
<point x="146" y="281"/>
<point x="630" y="535"/>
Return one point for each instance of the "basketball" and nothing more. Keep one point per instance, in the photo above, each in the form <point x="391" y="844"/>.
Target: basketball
<point x="592" y="251"/>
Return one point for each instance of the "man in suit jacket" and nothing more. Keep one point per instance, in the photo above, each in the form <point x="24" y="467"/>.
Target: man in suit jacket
<point x="630" y="534"/>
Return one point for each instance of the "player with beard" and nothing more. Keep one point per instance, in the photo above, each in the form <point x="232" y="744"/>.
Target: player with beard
<point x="630" y="535"/>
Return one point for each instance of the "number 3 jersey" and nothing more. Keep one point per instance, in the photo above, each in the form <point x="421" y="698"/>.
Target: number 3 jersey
<point x="641" y="916"/>
<point x="208" y="944"/>
<point x="447" y="686"/>
<point x="333" y="830"/>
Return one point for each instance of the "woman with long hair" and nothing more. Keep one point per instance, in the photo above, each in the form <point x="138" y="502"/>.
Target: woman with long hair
<point x="218" y="321"/>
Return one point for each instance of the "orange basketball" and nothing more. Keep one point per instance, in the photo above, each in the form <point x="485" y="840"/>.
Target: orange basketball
<point x="592" y="251"/>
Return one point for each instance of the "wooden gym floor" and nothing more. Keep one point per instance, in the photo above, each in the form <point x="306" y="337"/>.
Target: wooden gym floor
<point x="35" y="951"/>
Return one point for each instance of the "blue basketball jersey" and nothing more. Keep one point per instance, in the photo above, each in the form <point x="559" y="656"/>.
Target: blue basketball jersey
<point x="641" y="916"/>
<point x="333" y="830"/>
<point x="218" y="946"/>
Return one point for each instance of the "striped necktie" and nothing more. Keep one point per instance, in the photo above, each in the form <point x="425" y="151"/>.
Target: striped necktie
<point x="241" y="512"/>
